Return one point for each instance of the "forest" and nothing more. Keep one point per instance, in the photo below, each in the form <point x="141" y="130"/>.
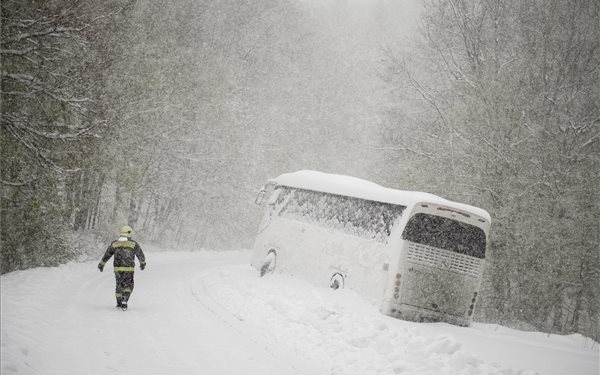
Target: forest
<point x="170" y="115"/>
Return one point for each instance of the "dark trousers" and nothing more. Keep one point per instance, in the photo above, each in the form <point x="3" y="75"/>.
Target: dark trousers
<point x="124" y="286"/>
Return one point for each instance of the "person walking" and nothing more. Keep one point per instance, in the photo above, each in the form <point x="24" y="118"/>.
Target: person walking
<point x="124" y="250"/>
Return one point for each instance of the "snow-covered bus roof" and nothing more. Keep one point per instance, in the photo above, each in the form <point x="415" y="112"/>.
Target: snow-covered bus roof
<point x="359" y="188"/>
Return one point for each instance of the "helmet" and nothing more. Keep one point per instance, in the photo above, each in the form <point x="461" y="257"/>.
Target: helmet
<point x="126" y="231"/>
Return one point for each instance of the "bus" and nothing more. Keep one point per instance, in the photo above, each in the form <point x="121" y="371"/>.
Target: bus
<point x="414" y="255"/>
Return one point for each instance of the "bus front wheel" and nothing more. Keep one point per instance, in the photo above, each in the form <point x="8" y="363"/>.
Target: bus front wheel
<point x="268" y="263"/>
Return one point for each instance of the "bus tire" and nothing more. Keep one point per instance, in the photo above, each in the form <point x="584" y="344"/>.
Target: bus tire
<point x="268" y="265"/>
<point x="337" y="281"/>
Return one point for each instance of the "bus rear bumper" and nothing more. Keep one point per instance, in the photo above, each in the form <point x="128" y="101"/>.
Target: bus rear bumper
<point x="415" y="314"/>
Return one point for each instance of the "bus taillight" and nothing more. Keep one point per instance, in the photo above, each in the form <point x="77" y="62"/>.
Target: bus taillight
<point x="397" y="288"/>
<point x="472" y="303"/>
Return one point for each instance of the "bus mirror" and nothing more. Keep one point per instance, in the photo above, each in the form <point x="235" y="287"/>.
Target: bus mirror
<point x="260" y="197"/>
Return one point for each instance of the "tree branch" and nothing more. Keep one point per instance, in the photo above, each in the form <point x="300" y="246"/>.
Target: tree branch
<point x="17" y="52"/>
<point x="52" y="31"/>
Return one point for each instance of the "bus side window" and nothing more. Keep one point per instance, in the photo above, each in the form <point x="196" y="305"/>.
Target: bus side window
<point x="273" y="198"/>
<point x="361" y="218"/>
<point x="265" y="192"/>
<point x="271" y="205"/>
<point x="280" y="199"/>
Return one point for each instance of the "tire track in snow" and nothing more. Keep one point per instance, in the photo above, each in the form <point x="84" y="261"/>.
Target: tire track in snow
<point x="200" y="288"/>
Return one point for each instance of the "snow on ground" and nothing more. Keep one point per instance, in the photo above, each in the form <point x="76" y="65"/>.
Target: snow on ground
<point x="209" y="312"/>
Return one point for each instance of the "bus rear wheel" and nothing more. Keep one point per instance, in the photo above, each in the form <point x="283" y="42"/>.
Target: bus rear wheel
<point x="337" y="281"/>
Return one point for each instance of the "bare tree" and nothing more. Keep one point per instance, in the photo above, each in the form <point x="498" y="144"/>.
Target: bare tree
<point x="46" y="99"/>
<point x="49" y="123"/>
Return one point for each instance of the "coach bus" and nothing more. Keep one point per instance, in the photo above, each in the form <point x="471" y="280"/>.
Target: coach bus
<point x="414" y="255"/>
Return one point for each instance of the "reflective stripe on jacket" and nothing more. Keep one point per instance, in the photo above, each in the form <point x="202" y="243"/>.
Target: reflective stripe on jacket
<point x="124" y="251"/>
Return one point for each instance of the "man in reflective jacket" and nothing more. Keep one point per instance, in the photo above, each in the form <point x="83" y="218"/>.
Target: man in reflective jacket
<point x="125" y="250"/>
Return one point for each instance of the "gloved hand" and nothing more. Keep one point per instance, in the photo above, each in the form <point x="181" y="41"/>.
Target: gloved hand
<point x="142" y="266"/>
<point x="101" y="267"/>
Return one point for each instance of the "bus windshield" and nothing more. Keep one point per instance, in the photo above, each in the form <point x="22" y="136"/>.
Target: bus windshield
<point x="447" y="234"/>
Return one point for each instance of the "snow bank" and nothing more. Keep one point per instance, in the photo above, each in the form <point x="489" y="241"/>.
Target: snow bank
<point x="337" y="329"/>
<point x="347" y="335"/>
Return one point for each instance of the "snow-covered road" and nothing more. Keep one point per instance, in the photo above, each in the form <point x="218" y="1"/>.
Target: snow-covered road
<point x="208" y="312"/>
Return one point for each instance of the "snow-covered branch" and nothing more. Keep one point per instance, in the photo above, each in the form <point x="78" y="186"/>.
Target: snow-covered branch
<point x="55" y="31"/>
<point x="38" y="86"/>
<point x="18" y="184"/>
<point x="17" y="52"/>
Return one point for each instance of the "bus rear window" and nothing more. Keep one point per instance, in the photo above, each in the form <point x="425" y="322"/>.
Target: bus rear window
<point x="447" y="234"/>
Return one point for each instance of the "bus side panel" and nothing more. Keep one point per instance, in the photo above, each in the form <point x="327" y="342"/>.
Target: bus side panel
<point x="316" y="254"/>
<point x="297" y="253"/>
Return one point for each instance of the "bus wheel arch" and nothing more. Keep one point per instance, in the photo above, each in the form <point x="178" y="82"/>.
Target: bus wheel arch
<point x="269" y="262"/>
<point x="337" y="281"/>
